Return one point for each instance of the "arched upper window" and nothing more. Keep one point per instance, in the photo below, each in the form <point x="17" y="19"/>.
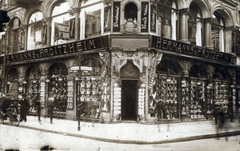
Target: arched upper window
<point x="34" y="36"/>
<point x="217" y="28"/>
<point x="167" y="19"/>
<point x="195" y="25"/>
<point x="130" y="11"/>
<point x="16" y="36"/>
<point x="62" y="24"/>
<point x="91" y="19"/>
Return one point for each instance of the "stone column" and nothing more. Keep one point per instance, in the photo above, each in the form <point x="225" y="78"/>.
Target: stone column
<point x="184" y="25"/>
<point x="76" y="12"/>
<point x="47" y="25"/>
<point x="23" y="38"/>
<point x="207" y="32"/>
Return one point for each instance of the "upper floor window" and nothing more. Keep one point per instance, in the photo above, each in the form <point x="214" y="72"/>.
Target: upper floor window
<point x="16" y="36"/>
<point x="130" y="11"/>
<point x="195" y="25"/>
<point x="91" y="20"/>
<point x="167" y="19"/>
<point x="61" y="24"/>
<point x="35" y="33"/>
<point x="217" y="32"/>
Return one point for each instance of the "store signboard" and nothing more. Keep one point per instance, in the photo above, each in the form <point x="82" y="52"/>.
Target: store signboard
<point x="83" y="68"/>
<point x="191" y="50"/>
<point x="74" y="68"/>
<point x="68" y="49"/>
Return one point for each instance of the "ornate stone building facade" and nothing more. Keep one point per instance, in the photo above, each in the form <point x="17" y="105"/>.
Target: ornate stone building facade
<point x="138" y="60"/>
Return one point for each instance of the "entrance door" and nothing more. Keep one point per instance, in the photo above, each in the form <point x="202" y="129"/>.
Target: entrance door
<point x="129" y="100"/>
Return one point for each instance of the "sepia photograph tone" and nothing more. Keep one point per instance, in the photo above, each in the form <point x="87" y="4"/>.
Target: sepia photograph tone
<point x="119" y="75"/>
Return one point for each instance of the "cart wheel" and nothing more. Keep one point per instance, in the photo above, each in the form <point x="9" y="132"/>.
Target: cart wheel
<point x="18" y="119"/>
<point x="15" y="119"/>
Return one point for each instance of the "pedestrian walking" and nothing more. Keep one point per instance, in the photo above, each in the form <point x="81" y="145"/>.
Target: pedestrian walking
<point x="38" y="106"/>
<point x="51" y="105"/>
<point x="24" y="106"/>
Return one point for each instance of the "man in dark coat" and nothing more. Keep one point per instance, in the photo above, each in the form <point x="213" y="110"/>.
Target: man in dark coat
<point x="4" y="104"/>
<point x="24" y="106"/>
<point x="51" y="105"/>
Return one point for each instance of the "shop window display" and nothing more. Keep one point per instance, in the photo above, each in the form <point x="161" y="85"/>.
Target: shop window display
<point x="93" y="88"/>
<point x="90" y="96"/>
<point x="58" y="89"/>
<point x="33" y="95"/>
<point x="33" y="89"/>
<point x="35" y="31"/>
<point x="209" y="101"/>
<point x="166" y="96"/>
<point x="197" y="99"/>
<point x="221" y="94"/>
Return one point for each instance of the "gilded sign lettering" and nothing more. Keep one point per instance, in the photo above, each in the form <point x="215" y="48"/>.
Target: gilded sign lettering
<point x="191" y="50"/>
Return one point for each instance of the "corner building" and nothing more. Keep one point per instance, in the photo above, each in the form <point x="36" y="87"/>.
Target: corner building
<point x="115" y="59"/>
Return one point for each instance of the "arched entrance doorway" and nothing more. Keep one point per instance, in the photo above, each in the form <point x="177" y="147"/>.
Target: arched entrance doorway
<point x="129" y="101"/>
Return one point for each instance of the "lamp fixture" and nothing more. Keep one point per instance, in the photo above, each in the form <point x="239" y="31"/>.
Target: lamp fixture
<point x="24" y="82"/>
<point x="47" y="80"/>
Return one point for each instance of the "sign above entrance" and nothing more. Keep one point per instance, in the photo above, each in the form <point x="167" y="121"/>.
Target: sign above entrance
<point x="191" y="50"/>
<point x="83" y="68"/>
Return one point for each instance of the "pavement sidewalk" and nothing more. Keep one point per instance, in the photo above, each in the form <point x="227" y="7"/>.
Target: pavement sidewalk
<point x="133" y="133"/>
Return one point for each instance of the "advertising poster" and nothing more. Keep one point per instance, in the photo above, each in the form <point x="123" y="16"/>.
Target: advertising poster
<point x="107" y="19"/>
<point x="116" y="17"/>
<point x="144" y="17"/>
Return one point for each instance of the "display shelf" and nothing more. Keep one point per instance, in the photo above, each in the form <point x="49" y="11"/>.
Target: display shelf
<point x="90" y="97"/>
<point x="70" y="102"/>
<point x="116" y="100"/>
<point x="209" y="100"/>
<point x="185" y="106"/>
<point x="197" y="99"/>
<point x="220" y="93"/>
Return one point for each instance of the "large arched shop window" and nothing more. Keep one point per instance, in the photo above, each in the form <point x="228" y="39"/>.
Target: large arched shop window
<point x="34" y="38"/>
<point x="32" y="88"/>
<point x="217" y="28"/>
<point x="91" y="89"/>
<point x="197" y="100"/>
<point x="16" y="36"/>
<point x="195" y="25"/>
<point x="165" y="90"/>
<point x="58" y="87"/>
<point x="62" y="24"/>
<point x="91" y="19"/>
